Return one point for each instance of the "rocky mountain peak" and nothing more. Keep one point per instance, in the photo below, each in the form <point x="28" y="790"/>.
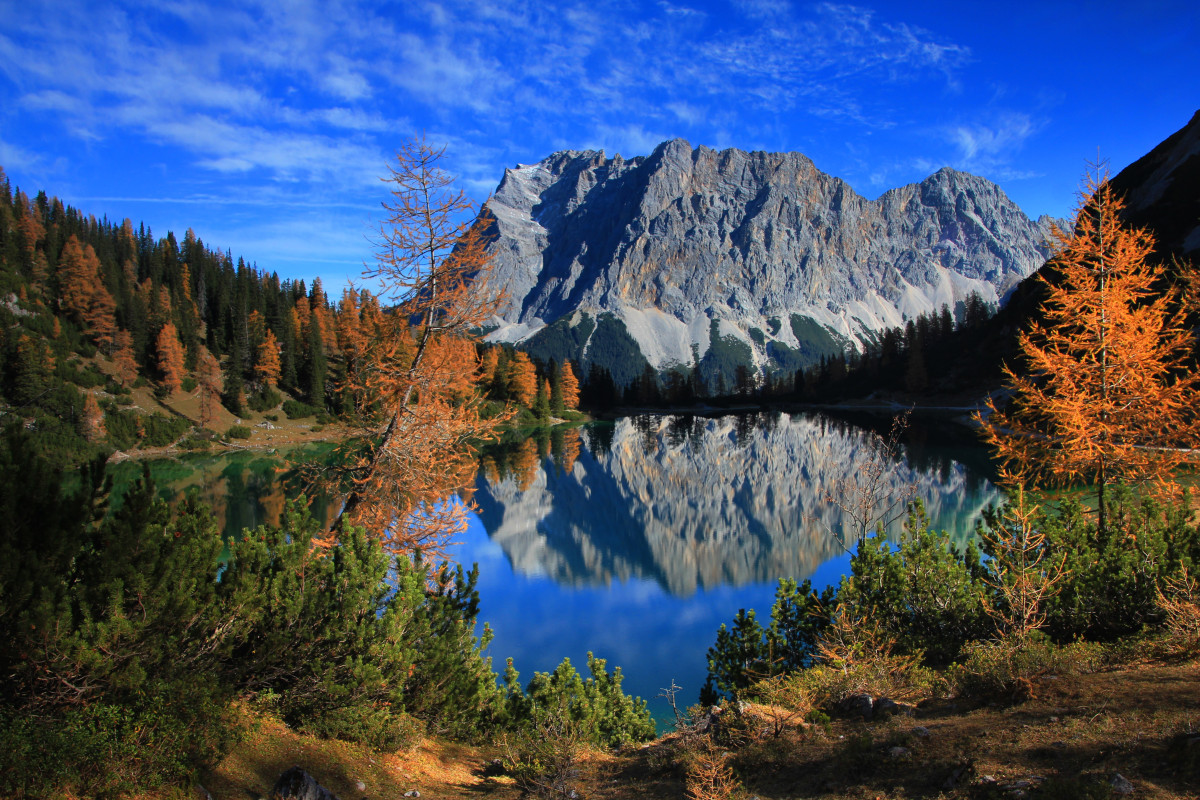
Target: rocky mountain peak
<point x="760" y="255"/>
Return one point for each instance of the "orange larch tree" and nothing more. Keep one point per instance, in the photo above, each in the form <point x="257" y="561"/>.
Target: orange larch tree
<point x="170" y="357"/>
<point x="522" y="379"/>
<point x="91" y="422"/>
<point x="421" y="418"/>
<point x="1104" y="396"/>
<point x="124" y="364"/>
<point x="570" y="387"/>
<point x="266" y="360"/>
<point x="208" y="376"/>
<point x="82" y="293"/>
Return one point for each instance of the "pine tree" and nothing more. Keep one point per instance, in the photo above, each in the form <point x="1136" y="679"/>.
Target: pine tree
<point x="556" y="399"/>
<point x="541" y="404"/>
<point x="233" y="395"/>
<point x="1105" y="396"/>
<point x="318" y="365"/>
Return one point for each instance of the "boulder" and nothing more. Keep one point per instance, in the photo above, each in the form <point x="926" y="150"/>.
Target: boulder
<point x="858" y="705"/>
<point x="296" y="784"/>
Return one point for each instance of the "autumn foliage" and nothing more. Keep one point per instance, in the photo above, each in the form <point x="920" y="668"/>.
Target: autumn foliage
<point x="1103" y="397"/>
<point x="418" y="407"/>
<point x="170" y="357"/>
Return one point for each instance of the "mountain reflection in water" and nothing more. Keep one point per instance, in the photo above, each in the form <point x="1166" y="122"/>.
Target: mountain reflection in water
<point x="695" y="502"/>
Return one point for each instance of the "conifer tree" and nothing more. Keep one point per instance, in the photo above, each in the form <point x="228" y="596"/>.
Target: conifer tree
<point x="233" y="394"/>
<point x="124" y="366"/>
<point x="91" y="421"/>
<point x="556" y="399"/>
<point x="416" y="446"/>
<point x="266" y="361"/>
<point x="318" y="364"/>
<point x="1104" y="396"/>
<point x="541" y="404"/>
<point x="170" y="358"/>
<point x="522" y="379"/>
<point x="208" y="376"/>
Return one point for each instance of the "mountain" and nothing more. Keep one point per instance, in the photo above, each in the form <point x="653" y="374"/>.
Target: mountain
<point x="692" y="256"/>
<point x="1161" y="194"/>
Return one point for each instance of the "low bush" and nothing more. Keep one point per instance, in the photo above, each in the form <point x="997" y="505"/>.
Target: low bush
<point x="264" y="399"/>
<point x="1008" y="668"/>
<point x="238" y="432"/>
<point x="294" y="409"/>
<point x="598" y="710"/>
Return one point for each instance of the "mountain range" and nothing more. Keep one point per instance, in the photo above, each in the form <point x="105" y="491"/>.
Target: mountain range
<point x="690" y="257"/>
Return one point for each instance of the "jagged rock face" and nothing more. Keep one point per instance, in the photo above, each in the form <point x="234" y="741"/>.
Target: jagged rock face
<point x="764" y="244"/>
<point x="692" y="502"/>
<point x="1160" y="190"/>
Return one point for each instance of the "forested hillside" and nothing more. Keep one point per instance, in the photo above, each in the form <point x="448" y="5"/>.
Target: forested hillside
<point x="91" y="309"/>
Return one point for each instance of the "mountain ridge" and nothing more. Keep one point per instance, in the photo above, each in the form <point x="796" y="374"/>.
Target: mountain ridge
<point x="690" y="248"/>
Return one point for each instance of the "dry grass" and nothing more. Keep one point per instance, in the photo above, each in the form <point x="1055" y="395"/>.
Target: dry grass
<point x="435" y="769"/>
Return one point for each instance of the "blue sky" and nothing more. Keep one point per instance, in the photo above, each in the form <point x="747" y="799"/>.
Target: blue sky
<point x="266" y="127"/>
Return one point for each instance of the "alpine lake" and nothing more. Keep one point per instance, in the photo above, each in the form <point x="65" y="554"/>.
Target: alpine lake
<point x="636" y="539"/>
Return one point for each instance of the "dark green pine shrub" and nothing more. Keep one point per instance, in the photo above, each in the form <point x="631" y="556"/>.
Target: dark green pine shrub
<point x="929" y="596"/>
<point x="294" y="409"/>
<point x="111" y="683"/>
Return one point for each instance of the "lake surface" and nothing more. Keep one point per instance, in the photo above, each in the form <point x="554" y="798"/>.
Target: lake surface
<point x="636" y="539"/>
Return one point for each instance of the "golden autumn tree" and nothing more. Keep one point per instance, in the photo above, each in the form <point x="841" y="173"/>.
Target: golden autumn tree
<point x="421" y="417"/>
<point x="522" y="379"/>
<point x="83" y="295"/>
<point x="266" y="360"/>
<point x="124" y="365"/>
<point x="170" y="357"/>
<point x="1103" y="397"/>
<point x="570" y="387"/>
<point x="91" y="421"/>
<point x="208" y="376"/>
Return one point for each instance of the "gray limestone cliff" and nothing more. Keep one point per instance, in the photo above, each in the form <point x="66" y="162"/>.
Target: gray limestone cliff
<point x="762" y="253"/>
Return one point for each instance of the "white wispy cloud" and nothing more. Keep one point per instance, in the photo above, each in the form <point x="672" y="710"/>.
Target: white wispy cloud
<point x="992" y="146"/>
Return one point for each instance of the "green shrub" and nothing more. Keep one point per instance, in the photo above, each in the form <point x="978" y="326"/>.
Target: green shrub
<point x="599" y="712"/>
<point x="161" y="430"/>
<point x="238" y="432"/>
<point x="378" y="726"/>
<point x="294" y="409"/>
<point x="317" y="428"/>
<point x="271" y="417"/>
<point x="265" y="399"/>
<point x="926" y="593"/>
<point x="1006" y="669"/>
<point x="1112" y="576"/>
<point x="188" y="384"/>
